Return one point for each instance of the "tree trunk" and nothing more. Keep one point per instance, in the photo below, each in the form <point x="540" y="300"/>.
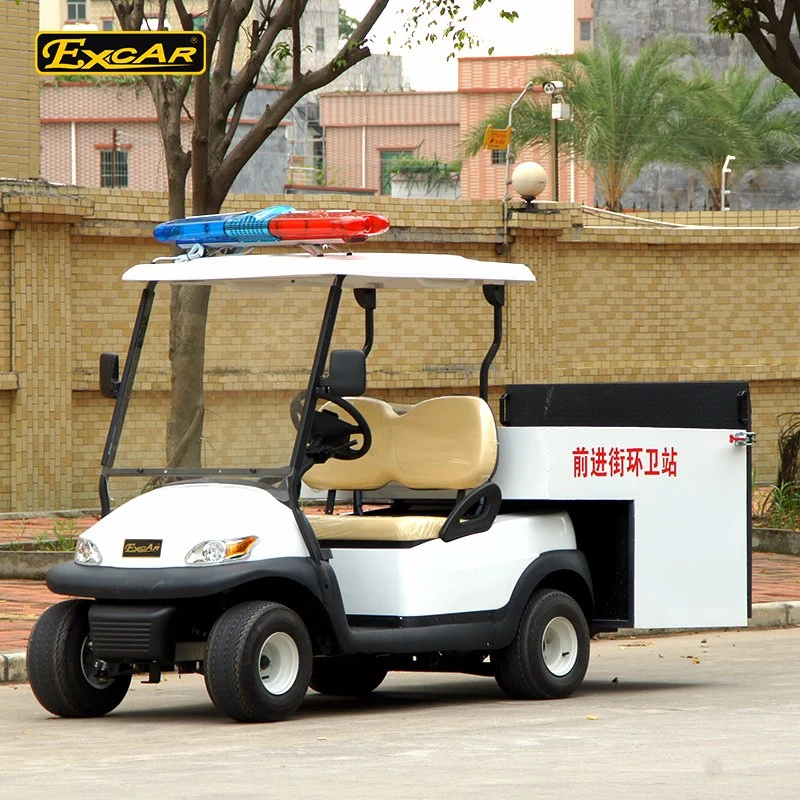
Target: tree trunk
<point x="187" y="345"/>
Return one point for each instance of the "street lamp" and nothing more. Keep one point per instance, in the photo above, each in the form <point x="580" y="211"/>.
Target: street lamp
<point x="507" y="193"/>
<point x="529" y="180"/>
<point x="725" y="191"/>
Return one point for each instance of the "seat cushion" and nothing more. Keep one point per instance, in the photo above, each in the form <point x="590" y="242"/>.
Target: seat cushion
<point x="353" y="528"/>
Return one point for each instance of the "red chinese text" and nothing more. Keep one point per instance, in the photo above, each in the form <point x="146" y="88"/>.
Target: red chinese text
<point x="617" y="462"/>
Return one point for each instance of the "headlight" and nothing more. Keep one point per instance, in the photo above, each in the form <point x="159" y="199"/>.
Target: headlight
<point x="218" y="551"/>
<point x="86" y="551"/>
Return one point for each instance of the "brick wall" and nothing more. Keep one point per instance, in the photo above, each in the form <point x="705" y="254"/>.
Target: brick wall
<point x="617" y="302"/>
<point x="19" y="122"/>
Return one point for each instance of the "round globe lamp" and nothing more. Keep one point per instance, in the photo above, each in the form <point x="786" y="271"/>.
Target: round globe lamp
<point x="529" y="180"/>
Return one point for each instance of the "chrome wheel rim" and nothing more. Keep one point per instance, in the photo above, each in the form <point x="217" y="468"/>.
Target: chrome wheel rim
<point x="279" y="663"/>
<point x="560" y="646"/>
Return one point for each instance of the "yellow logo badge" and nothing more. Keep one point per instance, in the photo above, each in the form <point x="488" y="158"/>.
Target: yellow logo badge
<point x="121" y="52"/>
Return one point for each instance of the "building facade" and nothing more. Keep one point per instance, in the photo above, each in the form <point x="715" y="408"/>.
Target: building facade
<point x="365" y="132"/>
<point x="107" y="136"/>
<point x="484" y="84"/>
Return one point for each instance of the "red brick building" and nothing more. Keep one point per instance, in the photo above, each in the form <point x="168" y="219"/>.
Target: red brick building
<point x="365" y="131"/>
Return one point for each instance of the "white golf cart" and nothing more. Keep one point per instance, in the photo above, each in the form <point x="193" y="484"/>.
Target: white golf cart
<point x="470" y="547"/>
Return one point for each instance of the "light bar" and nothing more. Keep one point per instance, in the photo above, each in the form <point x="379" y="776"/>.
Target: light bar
<point x="274" y="225"/>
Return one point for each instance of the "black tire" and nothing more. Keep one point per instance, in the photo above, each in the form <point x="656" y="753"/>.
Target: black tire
<point x="550" y="652"/>
<point x="243" y="643"/>
<point x="347" y="677"/>
<point x="61" y="666"/>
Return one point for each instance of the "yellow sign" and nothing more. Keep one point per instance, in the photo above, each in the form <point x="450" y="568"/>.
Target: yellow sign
<point x="121" y="52"/>
<point x="496" y="139"/>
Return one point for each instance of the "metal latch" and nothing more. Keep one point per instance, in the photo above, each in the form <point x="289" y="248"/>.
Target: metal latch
<point x="742" y="438"/>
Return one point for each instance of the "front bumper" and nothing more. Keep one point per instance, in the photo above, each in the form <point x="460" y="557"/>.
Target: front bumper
<point x="176" y="583"/>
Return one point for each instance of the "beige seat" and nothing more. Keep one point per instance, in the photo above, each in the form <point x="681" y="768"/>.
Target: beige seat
<point x="442" y="443"/>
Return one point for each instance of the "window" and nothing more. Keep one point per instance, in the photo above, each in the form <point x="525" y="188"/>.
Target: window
<point x="114" y="168"/>
<point x="108" y="24"/>
<point x="320" y="38"/>
<point x="499" y="157"/>
<point x="76" y="10"/>
<point x="388" y="157"/>
<point x="585" y="30"/>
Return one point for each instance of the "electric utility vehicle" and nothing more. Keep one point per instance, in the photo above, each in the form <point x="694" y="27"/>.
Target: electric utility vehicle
<point x="484" y="541"/>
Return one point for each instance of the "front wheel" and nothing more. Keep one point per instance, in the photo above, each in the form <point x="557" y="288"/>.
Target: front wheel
<point x="258" y="662"/>
<point x="550" y="652"/>
<point x="65" y="676"/>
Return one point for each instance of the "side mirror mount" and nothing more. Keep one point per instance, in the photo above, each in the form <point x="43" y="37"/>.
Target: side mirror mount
<point x="347" y="376"/>
<point x="109" y="375"/>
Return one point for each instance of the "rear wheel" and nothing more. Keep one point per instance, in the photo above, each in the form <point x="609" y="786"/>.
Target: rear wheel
<point x="550" y="653"/>
<point x="258" y="662"/>
<point x="348" y="677"/>
<point x="65" y="676"/>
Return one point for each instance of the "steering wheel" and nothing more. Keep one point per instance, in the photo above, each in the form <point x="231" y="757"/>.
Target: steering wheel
<point x="331" y="436"/>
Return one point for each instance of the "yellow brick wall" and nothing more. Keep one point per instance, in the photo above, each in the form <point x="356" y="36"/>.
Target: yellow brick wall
<point x="19" y="122"/>
<point x="612" y="302"/>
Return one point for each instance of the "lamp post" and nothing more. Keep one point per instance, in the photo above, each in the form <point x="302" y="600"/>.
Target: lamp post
<point x="725" y="191"/>
<point x="507" y="192"/>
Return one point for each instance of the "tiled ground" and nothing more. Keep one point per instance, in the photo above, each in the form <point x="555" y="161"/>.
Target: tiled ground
<point x="775" y="578"/>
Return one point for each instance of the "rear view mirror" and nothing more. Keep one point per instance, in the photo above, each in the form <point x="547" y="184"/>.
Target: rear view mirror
<point x="109" y="375"/>
<point x="347" y="376"/>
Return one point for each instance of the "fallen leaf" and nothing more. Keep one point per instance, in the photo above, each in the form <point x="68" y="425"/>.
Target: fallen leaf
<point x="589" y="716"/>
<point x="695" y="661"/>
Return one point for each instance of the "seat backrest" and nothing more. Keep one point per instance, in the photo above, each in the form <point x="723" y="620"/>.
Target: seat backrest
<point x="441" y="443"/>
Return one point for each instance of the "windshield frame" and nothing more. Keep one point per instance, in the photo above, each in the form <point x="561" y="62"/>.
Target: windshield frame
<point x="290" y="477"/>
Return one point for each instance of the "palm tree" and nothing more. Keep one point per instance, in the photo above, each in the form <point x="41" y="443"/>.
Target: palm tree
<point x="622" y="110"/>
<point x="740" y="115"/>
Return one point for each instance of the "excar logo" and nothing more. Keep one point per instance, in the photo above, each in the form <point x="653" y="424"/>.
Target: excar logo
<point x="121" y="52"/>
<point x="141" y="548"/>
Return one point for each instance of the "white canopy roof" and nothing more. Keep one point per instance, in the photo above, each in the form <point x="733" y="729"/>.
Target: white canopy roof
<point x="363" y="270"/>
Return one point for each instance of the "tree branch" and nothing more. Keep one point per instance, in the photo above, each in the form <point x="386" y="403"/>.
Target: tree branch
<point x="187" y="20"/>
<point x="780" y="57"/>
<point x="297" y="45"/>
<point x="276" y="111"/>
<point x="243" y="80"/>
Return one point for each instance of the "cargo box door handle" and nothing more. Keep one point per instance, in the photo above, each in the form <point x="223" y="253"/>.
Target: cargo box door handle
<point x="742" y="438"/>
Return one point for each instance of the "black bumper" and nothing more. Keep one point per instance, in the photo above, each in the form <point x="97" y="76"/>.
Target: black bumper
<point x="175" y="583"/>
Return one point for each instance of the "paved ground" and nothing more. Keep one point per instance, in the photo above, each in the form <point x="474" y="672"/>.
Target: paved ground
<point x="690" y="717"/>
